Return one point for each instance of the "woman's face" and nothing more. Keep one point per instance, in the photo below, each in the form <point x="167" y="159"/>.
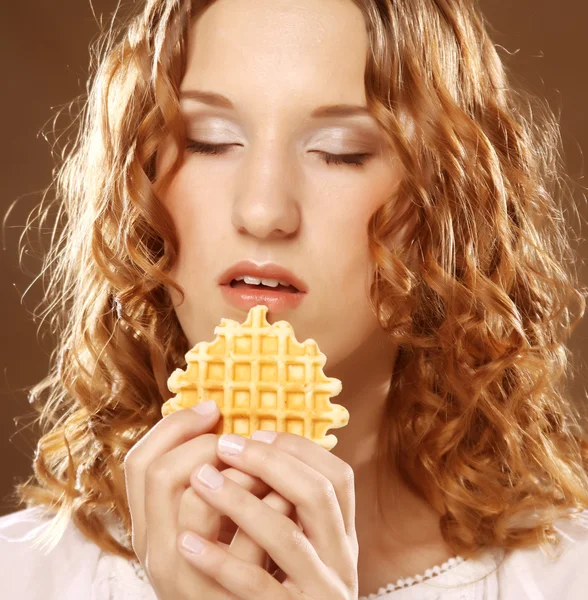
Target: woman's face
<point x="271" y="196"/>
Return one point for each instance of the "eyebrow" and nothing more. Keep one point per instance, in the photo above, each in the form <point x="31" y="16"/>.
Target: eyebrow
<point x="333" y="110"/>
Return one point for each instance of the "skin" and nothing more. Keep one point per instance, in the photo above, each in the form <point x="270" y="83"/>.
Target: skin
<point x="272" y="196"/>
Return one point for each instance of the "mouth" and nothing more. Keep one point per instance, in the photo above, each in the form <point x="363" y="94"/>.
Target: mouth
<point x="242" y="285"/>
<point x="247" y="284"/>
<point x="278" y="299"/>
<point x="248" y="274"/>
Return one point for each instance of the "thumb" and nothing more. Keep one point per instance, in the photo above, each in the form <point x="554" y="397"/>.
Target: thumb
<point x="208" y="413"/>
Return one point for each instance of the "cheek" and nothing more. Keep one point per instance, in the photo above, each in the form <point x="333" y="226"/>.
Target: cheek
<point x="350" y="210"/>
<point x="192" y="200"/>
<point x="200" y="227"/>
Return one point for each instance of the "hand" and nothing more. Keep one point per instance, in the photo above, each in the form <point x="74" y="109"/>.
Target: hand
<point x="319" y="559"/>
<point x="162" y="503"/>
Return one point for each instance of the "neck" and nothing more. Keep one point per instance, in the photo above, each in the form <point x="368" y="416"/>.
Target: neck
<point x="405" y="539"/>
<point x="366" y="377"/>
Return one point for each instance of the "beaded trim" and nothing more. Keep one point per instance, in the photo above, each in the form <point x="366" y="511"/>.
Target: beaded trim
<point x="139" y="571"/>
<point x="410" y="581"/>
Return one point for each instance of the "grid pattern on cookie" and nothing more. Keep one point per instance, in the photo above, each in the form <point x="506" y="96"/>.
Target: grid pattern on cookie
<point x="262" y="378"/>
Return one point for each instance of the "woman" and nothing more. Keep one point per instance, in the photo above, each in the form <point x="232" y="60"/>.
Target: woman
<point x="421" y="219"/>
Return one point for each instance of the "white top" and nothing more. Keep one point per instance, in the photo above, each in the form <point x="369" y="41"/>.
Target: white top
<point x="77" y="569"/>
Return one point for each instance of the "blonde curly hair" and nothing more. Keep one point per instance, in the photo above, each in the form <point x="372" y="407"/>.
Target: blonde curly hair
<point x="479" y="301"/>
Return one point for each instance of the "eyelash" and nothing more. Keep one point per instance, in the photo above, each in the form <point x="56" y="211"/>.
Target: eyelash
<point x="354" y="160"/>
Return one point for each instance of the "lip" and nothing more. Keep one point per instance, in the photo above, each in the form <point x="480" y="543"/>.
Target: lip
<point x="277" y="302"/>
<point x="263" y="271"/>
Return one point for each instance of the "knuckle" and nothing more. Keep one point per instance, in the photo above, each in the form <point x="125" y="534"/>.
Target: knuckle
<point x="278" y="503"/>
<point x="249" y="577"/>
<point x="131" y="461"/>
<point x="251" y="511"/>
<point x="243" y="479"/>
<point x="345" y="478"/>
<point x="291" y="538"/>
<point x="350" y="579"/>
<point x="349" y="572"/>
<point x="265" y="456"/>
<point x="321" y="489"/>
<point x="198" y="516"/>
<point x="209" y="438"/>
<point x="254" y="581"/>
<point x="156" y="471"/>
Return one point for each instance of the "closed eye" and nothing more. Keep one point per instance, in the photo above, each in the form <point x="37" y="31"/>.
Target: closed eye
<point x="356" y="160"/>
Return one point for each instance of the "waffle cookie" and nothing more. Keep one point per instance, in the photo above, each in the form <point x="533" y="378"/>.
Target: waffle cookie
<point x="261" y="377"/>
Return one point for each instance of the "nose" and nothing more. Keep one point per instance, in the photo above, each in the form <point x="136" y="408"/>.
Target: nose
<point x="265" y="206"/>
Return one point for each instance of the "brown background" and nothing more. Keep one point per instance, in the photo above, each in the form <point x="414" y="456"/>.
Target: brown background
<point x="44" y="64"/>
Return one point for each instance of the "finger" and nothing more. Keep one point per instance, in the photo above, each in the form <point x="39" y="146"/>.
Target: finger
<point x="247" y="581"/>
<point x="337" y="471"/>
<point x="313" y="495"/>
<point x="278" y="535"/>
<point x="246" y="548"/>
<point x="172" y="431"/>
<point x="167" y="481"/>
<point x="196" y="515"/>
<point x="165" y="485"/>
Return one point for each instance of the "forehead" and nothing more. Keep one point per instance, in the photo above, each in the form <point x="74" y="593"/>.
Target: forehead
<point x="279" y="52"/>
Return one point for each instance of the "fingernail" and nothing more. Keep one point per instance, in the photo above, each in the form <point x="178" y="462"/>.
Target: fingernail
<point x="264" y="436"/>
<point x="205" y="408"/>
<point x="192" y="543"/>
<point x="231" y="444"/>
<point x="210" y="477"/>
